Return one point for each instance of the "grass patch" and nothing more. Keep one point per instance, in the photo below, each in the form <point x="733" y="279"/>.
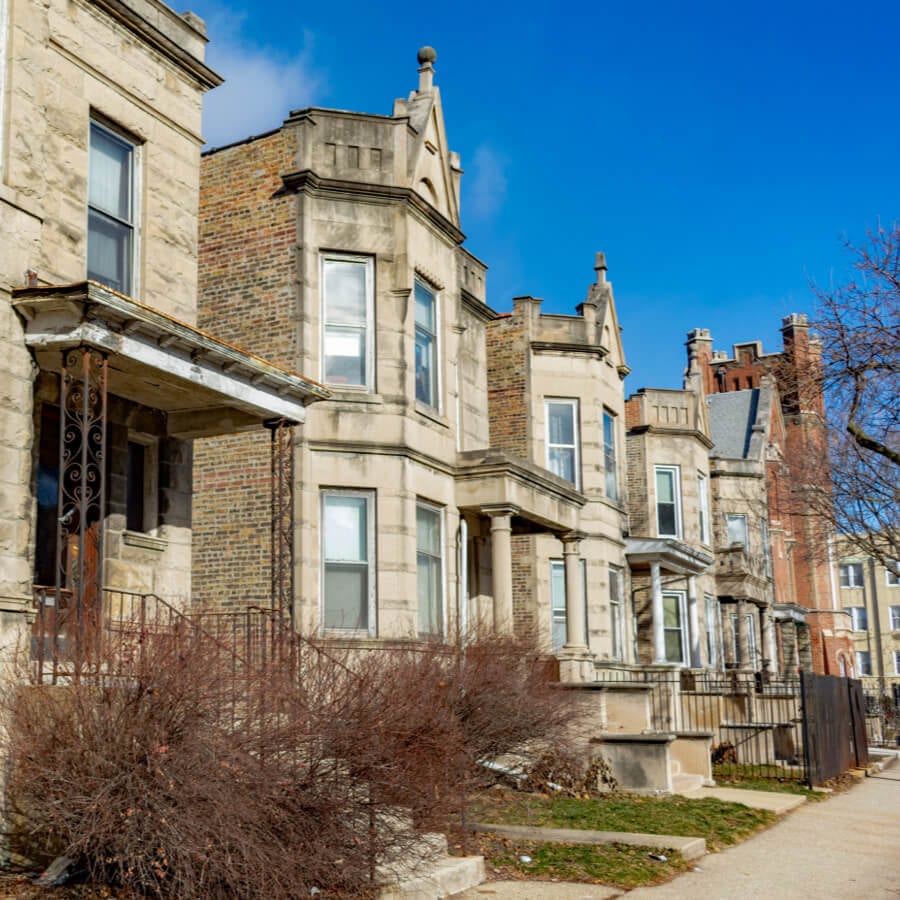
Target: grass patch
<point x="618" y="865"/>
<point x="721" y="824"/>
<point x="749" y="778"/>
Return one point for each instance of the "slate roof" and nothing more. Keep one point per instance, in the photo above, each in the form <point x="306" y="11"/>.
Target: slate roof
<point x="731" y="419"/>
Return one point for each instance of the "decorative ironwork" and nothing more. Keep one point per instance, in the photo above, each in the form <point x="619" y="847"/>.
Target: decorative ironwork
<point x="282" y="488"/>
<point x="81" y="505"/>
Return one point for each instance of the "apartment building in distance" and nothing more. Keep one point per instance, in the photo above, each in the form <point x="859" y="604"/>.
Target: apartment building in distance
<point x="870" y="595"/>
<point x="106" y="379"/>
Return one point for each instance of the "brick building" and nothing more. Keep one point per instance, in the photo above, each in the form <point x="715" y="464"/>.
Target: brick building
<point x="772" y="438"/>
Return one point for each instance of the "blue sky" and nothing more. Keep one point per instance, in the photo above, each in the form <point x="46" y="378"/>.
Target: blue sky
<point x="718" y="152"/>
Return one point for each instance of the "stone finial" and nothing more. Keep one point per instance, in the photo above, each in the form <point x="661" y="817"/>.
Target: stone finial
<point x="600" y="267"/>
<point x="426" y="56"/>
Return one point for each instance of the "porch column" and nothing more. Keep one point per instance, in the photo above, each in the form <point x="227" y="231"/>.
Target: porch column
<point x="693" y="621"/>
<point x="768" y="640"/>
<point x="743" y="637"/>
<point x="576" y="627"/>
<point x="659" y="634"/>
<point x="501" y="563"/>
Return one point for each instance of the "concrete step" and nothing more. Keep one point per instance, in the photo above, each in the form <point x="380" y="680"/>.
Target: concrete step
<point x="684" y="781"/>
<point x="445" y="876"/>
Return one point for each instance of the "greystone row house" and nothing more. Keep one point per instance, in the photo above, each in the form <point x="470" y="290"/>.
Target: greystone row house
<point x="302" y="302"/>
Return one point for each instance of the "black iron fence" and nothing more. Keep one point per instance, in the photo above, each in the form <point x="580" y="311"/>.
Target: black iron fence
<point x="882" y="721"/>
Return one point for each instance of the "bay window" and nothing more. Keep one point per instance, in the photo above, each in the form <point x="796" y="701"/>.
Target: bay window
<point x="563" y="451"/>
<point x="429" y="570"/>
<point x="426" y="314"/>
<point x="348" y="331"/>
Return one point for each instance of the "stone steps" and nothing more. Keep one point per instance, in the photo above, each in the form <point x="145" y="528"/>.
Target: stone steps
<point x="440" y="878"/>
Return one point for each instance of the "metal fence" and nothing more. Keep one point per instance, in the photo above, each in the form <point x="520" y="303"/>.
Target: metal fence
<point x="882" y="721"/>
<point x="755" y="721"/>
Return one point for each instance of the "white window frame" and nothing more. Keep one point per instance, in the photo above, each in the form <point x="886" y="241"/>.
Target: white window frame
<point x="847" y="569"/>
<point x="610" y="455"/>
<point x="737" y="518"/>
<point x="442" y="569"/>
<point x="890" y="578"/>
<point x="703" y="507"/>
<point x="895" y="618"/>
<point x="559" y="615"/>
<point x="897" y="663"/>
<point x="574" y="404"/>
<point x="860" y="657"/>
<point x="370" y="498"/>
<point x="369" y="341"/>
<point x="617" y="613"/>
<point x="675" y="472"/>
<point x="436" y="381"/>
<point x="132" y="289"/>
<point x="681" y="599"/>
<point x="859" y="617"/>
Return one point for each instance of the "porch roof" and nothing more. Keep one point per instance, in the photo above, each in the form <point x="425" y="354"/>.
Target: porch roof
<point x="672" y="555"/>
<point x="493" y="478"/>
<point x="204" y="385"/>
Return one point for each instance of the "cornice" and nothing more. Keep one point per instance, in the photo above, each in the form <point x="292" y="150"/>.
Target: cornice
<point x="480" y="310"/>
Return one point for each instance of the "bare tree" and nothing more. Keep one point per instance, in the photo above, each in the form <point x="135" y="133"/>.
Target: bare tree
<point x="858" y="326"/>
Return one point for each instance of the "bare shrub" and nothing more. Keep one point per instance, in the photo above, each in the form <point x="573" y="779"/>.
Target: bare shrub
<point x="194" y="771"/>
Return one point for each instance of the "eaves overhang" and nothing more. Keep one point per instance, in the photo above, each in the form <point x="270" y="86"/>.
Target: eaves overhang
<point x="204" y="385"/>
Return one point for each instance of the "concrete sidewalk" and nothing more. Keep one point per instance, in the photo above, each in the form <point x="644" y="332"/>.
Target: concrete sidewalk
<point x="846" y="847"/>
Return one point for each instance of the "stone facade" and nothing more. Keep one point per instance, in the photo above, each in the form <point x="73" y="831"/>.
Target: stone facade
<point x="100" y="107"/>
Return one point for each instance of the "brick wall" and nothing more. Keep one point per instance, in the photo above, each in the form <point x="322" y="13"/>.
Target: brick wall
<point x="247" y="297"/>
<point x="507" y="371"/>
<point x="636" y="477"/>
<point x="524" y="588"/>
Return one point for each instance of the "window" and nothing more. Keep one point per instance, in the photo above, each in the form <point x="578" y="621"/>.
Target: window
<point x="863" y="662"/>
<point x="736" y="524"/>
<point x="348" y="583"/>
<point x="895" y="618"/>
<point x="851" y="574"/>
<point x="858" y="618"/>
<point x="897" y="663"/>
<point x="609" y="455"/>
<point x="430" y="570"/>
<point x="673" y="626"/>
<point x="668" y="502"/>
<point x="703" y="506"/>
<point x="426" y="345"/>
<point x="142" y="483"/>
<point x="563" y="452"/>
<point x="893" y="578"/>
<point x="616" y="613"/>
<point x="111" y="210"/>
<point x="751" y="640"/>
<point x="558" y="616"/>
<point x="347" y="321"/>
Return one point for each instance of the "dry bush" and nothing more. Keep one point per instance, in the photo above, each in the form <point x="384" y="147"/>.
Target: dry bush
<point x="193" y="773"/>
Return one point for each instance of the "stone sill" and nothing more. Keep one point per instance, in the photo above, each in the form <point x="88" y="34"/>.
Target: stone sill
<point x="144" y="541"/>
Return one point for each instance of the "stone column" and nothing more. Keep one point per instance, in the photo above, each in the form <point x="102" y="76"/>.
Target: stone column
<point x="576" y="627"/>
<point x="659" y="634"/>
<point x="729" y="642"/>
<point x="743" y="636"/>
<point x="768" y="640"/>
<point x="501" y="565"/>
<point x="693" y="622"/>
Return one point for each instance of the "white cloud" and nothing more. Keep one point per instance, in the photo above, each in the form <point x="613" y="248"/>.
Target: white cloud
<point x="262" y="84"/>
<point x="484" y="186"/>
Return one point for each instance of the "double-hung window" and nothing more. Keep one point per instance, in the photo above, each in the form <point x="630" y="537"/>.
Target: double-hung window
<point x="736" y="524"/>
<point x="851" y="574"/>
<point x="858" y="618"/>
<point x="703" y="507"/>
<point x="674" y="626"/>
<point x="616" y="613"/>
<point x="348" y="332"/>
<point x="112" y="216"/>
<point x="895" y="618"/>
<point x="893" y="574"/>
<point x="609" y="455"/>
<point x="897" y="666"/>
<point x="668" y="502"/>
<point x="563" y="451"/>
<point x="427" y="383"/>
<point x="348" y="554"/>
<point x="863" y="662"/>
<point x="430" y="570"/>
